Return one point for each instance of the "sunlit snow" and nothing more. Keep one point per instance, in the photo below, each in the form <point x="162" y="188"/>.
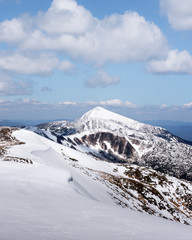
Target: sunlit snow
<point x="52" y="200"/>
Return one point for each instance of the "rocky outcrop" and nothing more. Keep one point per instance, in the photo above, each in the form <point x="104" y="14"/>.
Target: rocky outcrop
<point x="152" y="192"/>
<point x="6" y="141"/>
<point x="110" y="146"/>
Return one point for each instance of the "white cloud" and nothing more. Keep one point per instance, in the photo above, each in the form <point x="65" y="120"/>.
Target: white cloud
<point x="44" y="64"/>
<point x="102" y="79"/>
<point x="9" y="87"/>
<point x="129" y="104"/>
<point x="19" y="63"/>
<point x="188" y="105"/>
<point x="66" y="66"/>
<point x="12" y="31"/>
<point x="117" y="38"/>
<point x="65" y="16"/>
<point x="67" y="103"/>
<point x="71" y="29"/>
<point x="113" y="102"/>
<point x="176" y="62"/>
<point x="92" y="103"/>
<point x="179" y="13"/>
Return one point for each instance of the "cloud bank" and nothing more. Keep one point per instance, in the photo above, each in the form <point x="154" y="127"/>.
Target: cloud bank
<point x="32" y="109"/>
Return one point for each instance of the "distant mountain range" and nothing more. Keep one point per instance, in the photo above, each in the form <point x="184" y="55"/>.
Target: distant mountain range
<point x="181" y="129"/>
<point x="9" y="123"/>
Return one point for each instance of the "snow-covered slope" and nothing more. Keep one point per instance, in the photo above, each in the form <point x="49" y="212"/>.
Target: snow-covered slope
<point x="120" y="139"/>
<point x="50" y="191"/>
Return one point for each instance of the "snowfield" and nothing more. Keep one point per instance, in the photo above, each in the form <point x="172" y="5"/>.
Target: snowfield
<point x="52" y="199"/>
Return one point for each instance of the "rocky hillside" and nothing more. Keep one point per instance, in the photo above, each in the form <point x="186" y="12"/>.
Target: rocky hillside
<point x="115" y="138"/>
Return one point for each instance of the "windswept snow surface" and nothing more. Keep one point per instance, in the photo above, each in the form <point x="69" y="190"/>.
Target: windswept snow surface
<point x="52" y="200"/>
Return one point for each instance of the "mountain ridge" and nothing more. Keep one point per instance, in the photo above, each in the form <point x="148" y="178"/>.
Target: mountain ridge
<point x="36" y="163"/>
<point x="116" y="138"/>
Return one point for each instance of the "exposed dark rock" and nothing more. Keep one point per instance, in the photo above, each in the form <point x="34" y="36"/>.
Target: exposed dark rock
<point x="60" y="139"/>
<point x="118" y="146"/>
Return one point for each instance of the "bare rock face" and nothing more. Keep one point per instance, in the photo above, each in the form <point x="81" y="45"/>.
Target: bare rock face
<point x="110" y="147"/>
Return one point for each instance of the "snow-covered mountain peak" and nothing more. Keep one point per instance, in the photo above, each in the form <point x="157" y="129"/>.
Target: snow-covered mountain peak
<point x="102" y="113"/>
<point x="99" y="117"/>
<point x="97" y="111"/>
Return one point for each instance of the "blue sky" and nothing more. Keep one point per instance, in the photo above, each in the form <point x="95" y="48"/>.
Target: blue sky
<point x="60" y="58"/>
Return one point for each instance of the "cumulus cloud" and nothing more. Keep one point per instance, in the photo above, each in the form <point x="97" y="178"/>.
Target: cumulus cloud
<point x="118" y="38"/>
<point x="12" y="31"/>
<point x="179" y="13"/>
<point x="102" y="79"/>
<point x="75" y="19"/>
<point x="176" y="62"/>
<point x="44" y="64"/>
<point x="9" y="87"/>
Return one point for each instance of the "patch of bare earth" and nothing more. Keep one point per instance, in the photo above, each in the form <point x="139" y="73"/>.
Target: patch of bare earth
<point x="7" y="140"/>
